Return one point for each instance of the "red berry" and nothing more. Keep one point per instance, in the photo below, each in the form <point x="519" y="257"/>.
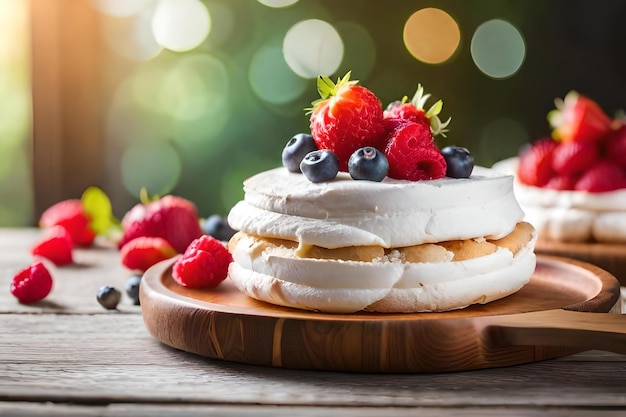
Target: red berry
<point x="413" y="155"/>
<point x="143" y="252"/>
<point x="71" y="215"/>
<point x="415" y="111"/>
<point x="406" y="111"/>
<point x="604" y="176"/>
<point x="204" y="263"/>
<point x="535" y="162"/>
<point x="561" y="182"/>
<point x="570" y="158"/>
<point x="55" y="245"/>
<point x="346" y="118"/>
<point x="615" y="146"/>
<point x="32" y="283"/>
<point x="578" y="119"/>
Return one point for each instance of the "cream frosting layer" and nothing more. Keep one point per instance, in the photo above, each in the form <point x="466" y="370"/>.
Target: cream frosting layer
<point x="392" y="213"/>
<point x="570" y="216"/>
<point x="276" y="275"/>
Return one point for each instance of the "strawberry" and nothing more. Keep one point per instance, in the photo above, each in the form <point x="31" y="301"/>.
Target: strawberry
<point x="141" y="253"/>
<point x="204" y="263"/>
<point x="71" y="215"/>
<point x="172" y="218"/>
<point x="55" y="245"/>
<point x="615" y="145"/>
<point x="561" y="182"/>
<point x="570" y="158"/>
<point x="412" y="153"/>
<point x="32" y="283"/>
<point x="346" y="118"/>
<point x="414" y="111"/>
<point x="535" y="162"/>
<point x="604" y="175"/>
<point x="578" y="119"/>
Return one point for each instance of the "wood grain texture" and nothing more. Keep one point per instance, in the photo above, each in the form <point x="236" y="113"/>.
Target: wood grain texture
<point x="225" y="324"/>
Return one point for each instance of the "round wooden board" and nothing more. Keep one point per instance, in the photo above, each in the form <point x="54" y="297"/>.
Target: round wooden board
<point x="223" y="323"/>
<point x="608" y="256"/>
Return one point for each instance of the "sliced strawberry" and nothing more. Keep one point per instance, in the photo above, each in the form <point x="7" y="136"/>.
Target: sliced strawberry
<point x="615" y="146"/>
<point x="603" y="176"/>
<point x="535" y="162"/>
<point x="55" y="245"/>
<point x="141" y="253"/>
<point x="413" y="155"/>
<point x="346" y="118"/>
<point x="570" y="158"/>
<point x="578" y="119"/>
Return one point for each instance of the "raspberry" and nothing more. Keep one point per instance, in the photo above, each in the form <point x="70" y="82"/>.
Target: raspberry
<point x="55" y="245"/>
<point x="413" y="155"/>
<point x="32" y="283"/>
<point x="570" y="158"/>
<point x="604" y="176"/>
<point x="204" y="263"/>
<point x="616" y="146"/>
<point x="143" y="252"/>
<point x="71" y="215"/>
<point x="406" y="111"/>
<point x="535" y="162"/>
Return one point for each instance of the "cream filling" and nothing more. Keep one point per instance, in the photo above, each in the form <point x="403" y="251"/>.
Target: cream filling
<point x="570" y="216"/>
<point x="278" y="276"/>
<point x="393" y="213"/>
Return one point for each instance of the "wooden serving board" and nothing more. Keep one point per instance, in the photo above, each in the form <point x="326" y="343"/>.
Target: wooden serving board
<point x="608" y="256"/>
<point x="562" y="310"/>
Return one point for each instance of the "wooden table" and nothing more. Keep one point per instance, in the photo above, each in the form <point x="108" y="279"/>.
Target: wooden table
<point x="68" y="356"/>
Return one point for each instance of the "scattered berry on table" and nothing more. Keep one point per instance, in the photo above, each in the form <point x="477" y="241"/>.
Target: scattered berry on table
<point x="71" y="215"/>
<point x="459" y="161"/>
<point x="55" y="245"/>
<point x="368" y="163"/>
<point x="296" y="149"/>
<point x="204" y="263"/>
<point x="132" y="288"/>
<point x="413" y="155"/>
<point x="141" y="253"/>
<point x="535" y="162"/>
<point x="218" y="227"/>
<point x="320" y="166"/>
<point x="109" y="297"/>
<point x="172" y="218"/>
<point x="346" y="118"/>
<point x="32" y="283"/>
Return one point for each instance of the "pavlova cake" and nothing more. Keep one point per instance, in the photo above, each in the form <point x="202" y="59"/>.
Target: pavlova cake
<point x="367" y="213"/>
<point x="572" y="184"/>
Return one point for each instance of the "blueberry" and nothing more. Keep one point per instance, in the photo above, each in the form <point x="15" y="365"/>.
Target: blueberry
<point x="109" y="297"/>
<point x="368" y="163"/>
<point x="320" y="166"/>
<point x="217" y="226"/>
<point x="296" y="149"/>
<point x="460" y="161"/>
<point x="132" y="288"/>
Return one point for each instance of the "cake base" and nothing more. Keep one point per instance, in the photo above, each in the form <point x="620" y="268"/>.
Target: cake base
<point x="546" y="319"/>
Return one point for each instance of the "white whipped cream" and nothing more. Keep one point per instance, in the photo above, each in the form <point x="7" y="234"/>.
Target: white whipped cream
<point x="392" y="213"/>
<point x="278" y="276"/>
<point x="570" y="216"/>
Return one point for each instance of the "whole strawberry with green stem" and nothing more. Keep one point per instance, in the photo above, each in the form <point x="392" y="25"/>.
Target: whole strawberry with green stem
<point x="577" y="118"/>
<point x="346" y="117"/>
<point x="172" y="218"/>
<point x="415" y="111"/>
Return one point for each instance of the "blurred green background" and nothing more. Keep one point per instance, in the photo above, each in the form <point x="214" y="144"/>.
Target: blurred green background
<point x="198" y="95"/>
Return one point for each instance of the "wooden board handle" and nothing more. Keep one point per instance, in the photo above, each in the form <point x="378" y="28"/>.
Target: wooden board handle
<point x="601" y="331"/>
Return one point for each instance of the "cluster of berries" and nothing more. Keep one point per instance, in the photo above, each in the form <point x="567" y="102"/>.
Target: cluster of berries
<point x="152" y="231"/>
<point x="351" y="132"/>
<point x="586" y="151"/>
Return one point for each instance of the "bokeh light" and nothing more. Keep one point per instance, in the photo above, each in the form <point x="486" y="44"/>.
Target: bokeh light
<point x="180" y="25"/>
<point x="313" y="47"/>
<point x="271" y="78"/>
<point x="155" y="166"/>
<point x="501" y="138"/>
<point x="131" y="37"/>
<point x="431" y="35"/>
<point x="124" y="8"/>
<point x="278" y="3"/>
<point x="498" y="49"/>
<point x="360" y="49"/>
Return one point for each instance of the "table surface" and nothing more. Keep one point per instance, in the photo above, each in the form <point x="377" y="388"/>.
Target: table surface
<point x="68" y="356"/>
